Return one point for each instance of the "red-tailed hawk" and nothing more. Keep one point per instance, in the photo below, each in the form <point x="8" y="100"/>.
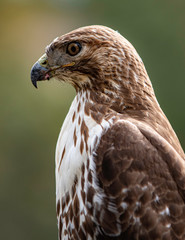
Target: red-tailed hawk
<point x="120" y="169"/>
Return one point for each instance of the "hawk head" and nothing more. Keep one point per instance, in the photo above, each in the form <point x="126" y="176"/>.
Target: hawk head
<point x="96" y="58"/>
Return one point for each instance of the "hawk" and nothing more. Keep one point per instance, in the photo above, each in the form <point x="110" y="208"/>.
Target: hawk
<point x="120" y="169"/>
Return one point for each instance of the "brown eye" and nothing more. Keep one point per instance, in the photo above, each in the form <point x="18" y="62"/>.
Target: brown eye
<point x="73" y="48"/>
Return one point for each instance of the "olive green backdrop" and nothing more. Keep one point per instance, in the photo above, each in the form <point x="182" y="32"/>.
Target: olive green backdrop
<point x="30" y="119"/>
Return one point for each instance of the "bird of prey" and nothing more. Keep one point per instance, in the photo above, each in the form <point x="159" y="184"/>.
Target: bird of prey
<point x="120" y="169"/>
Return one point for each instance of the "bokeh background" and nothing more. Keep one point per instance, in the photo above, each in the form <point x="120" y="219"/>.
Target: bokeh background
<point x="30" y="119"/>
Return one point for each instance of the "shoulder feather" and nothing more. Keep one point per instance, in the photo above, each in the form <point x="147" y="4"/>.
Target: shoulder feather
<point x="142" y="179"/>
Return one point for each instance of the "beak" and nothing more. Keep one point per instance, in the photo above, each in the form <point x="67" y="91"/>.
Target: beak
<point x="40" y="71"/>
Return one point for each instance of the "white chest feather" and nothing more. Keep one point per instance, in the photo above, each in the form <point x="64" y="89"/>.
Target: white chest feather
<point x="75" y="144"/>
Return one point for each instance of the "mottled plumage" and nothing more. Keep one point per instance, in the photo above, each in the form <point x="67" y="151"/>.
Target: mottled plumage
<point x="120" y="170"/>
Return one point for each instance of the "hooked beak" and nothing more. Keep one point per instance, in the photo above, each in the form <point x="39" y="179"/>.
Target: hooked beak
<point x="40" y="70"/>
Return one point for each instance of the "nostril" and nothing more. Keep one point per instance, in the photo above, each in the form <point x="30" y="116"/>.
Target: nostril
<point x="43" y="60"/>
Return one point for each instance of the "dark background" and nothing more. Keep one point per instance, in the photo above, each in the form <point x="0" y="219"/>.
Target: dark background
<point x="30" y="119"/>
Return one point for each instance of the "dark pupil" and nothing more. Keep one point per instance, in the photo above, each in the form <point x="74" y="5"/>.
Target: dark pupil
<point x="73" y="49"/>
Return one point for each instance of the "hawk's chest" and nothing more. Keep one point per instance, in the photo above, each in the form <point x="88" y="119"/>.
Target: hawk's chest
<point x="75" y="167"/>
<point x="75" y="144"/>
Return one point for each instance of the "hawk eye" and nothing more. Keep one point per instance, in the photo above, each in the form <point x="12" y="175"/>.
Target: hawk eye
<point x="73" y="48"/>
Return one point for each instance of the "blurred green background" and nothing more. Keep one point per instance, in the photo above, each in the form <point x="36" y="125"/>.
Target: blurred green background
<point x="31" y="119"/>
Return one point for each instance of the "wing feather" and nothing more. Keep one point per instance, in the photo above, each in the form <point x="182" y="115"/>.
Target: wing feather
<point x="142" y="181"/>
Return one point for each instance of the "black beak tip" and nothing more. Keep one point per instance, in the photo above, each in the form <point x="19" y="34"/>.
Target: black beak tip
<point x="35" y="84"/>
